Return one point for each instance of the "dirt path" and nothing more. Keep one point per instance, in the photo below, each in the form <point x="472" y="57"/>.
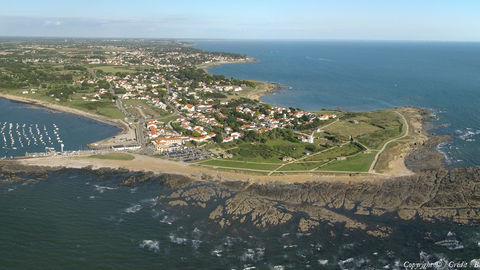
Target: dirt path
<point x="302" y="158"/>
<point x="321" y="128"/>
<point x="374" y="163"/>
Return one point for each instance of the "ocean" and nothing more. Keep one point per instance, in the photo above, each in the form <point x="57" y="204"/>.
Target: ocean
<point x="362" y="76"/>
<point x="78" y="220"/>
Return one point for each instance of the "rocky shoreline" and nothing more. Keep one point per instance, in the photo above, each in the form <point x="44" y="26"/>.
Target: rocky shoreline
<point x="432" y="194"/>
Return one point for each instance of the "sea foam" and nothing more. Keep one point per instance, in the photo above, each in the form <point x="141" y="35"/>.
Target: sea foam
<point x="151" y="245"/>
<point x="133" y="209"/>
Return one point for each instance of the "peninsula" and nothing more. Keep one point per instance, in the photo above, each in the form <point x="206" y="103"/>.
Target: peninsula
<point x="178" y="117"/>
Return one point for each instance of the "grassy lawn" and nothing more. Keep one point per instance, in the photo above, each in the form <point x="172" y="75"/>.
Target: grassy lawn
<point x="168" y="118"/>
<point x="114" y="156"/>
<point x="347" y="128"/>
<point x="292" y="149"/>
<point x="239" y="165"/>
<point x="357" y="163"/>
<point x="275" y="159"/>
<point x="301" y="166"/>
<point x="345" y="150"/>
<point x="272" y="151"/>
<point x="105" y="108"/>
<point x="390" y="125"/>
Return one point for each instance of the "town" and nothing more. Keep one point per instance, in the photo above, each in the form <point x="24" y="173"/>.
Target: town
<point x="171" y="107"/>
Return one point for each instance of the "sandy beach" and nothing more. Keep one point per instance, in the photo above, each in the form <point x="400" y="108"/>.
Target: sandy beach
<point x="159" y="166"/>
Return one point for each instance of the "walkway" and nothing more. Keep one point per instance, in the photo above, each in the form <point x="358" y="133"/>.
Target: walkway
<point x="374" y="163"/>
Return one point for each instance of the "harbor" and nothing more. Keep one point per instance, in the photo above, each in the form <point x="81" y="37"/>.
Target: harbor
<point x="27" y="136"/>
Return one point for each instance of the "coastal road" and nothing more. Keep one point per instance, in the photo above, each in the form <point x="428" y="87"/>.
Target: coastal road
<point x="374" y="163"/>
<point x="140" y="134"/>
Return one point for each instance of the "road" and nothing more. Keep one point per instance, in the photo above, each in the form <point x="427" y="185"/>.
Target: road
<point x="374" y="163"/>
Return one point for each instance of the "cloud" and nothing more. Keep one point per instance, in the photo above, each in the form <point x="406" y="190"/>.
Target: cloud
<point x="55" y="22"/>
<point x="170" y="26"/>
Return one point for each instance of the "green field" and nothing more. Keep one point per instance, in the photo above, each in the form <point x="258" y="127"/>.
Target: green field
<point x="347" y="128"/>
<point x="344" y="150"/>
<point x="272" y="150"/>
<point x="114" y="156"/>
<point x="112" y="69"/>
<point x="372" y="129"/>
<point x="104" y="108"/>
<point x="357" y="163"/>
<point x="301" y="166"/>
<point x="390" y="124"/>
<point x="168" y="118"/>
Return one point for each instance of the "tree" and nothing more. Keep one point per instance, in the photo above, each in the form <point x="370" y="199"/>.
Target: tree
<point x="218" y="138"/>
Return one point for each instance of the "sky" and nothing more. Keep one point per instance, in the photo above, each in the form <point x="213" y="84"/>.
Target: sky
<point x="438" y="20"/>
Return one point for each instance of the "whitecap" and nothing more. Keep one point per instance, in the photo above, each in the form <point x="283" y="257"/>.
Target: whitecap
<point x="217" y="252"/>
<point x="196" y="244"/>
<point x="344" y="264"/>
<point x="248" y="255"/>
<point x="133" y="209"/>
<point x="317" y="246"/>
<point x="322" y="262"/>
<point x="156" y="213"/>
<point x="178" y="240"/>
<point x="92" y="197"/>
<point x="151" y="245"/>
<point x="440" y="148"/>
<point x="197" y="232"/>
<point x="253" y="254"/>
<point x="167" y="220"/>
<point x="278" y="267"/>
<point x="10" y="189"/>
<point x="102" y="189"/>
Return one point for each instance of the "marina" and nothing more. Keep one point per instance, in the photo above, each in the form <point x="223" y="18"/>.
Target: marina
<point x="20" y="136"/>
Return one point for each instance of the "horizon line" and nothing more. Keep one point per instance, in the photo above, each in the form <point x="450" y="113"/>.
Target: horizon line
<point x="239" y="39"/>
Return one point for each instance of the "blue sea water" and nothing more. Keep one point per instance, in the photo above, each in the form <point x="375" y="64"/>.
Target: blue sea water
<point x="73" y="131"/>
<point x="361" y="76"/>
<point x="77" y="220"/>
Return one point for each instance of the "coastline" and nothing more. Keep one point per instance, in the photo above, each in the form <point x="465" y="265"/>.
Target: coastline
<point x="395" y="163"/>
<point x="216" y="64"/>
<point x="267" y="89"/>
<point x="363" y="195"/>
<point x="124" y="129"/>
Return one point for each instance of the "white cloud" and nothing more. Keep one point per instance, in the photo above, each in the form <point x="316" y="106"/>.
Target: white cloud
<point x="53" y="22"/>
